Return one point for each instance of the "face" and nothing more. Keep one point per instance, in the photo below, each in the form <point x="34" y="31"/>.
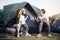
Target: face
<point x="23" y="10"/>
<point x="41" y="13"/>
<point x="20" y="12"/>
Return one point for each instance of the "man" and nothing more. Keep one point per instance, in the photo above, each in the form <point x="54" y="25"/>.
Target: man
<point x="41" y="19"/>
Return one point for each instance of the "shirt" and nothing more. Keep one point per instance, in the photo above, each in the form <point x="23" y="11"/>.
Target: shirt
<point x="42" y="17"/>
<point x="22" y="19"/>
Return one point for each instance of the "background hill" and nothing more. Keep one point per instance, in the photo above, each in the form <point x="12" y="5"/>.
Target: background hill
<point x="54" y="18"/>
<point x="1" y="16"/>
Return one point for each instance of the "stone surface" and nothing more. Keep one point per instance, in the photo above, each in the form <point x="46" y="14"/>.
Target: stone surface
<point x="11" y="30"/>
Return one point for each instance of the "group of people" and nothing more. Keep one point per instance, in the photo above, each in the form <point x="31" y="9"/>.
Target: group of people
<point x="21" y="22"/>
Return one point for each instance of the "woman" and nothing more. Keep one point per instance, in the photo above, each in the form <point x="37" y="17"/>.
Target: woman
<point x="21" y="21"/>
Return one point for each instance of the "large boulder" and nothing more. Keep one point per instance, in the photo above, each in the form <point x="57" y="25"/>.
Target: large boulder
<point x="10" y="12"/>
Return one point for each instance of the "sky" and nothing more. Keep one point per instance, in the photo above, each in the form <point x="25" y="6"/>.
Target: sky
<point x="52" y="7"/>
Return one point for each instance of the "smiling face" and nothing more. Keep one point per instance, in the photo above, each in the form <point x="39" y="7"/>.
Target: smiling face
<point x="20" y="12"/>
<point x="42" y="12"/>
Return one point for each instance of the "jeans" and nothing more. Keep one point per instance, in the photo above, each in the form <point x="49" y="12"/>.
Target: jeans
<point x="25" y="26"/>
<point x="41" y="26"/>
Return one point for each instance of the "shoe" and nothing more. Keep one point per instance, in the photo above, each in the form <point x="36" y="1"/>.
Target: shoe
<point x="18" y="36"/>
<point x="39" y="35"/>
<point x="27" y="34"/>
<point x="49" y="35"/>
<point x="22" y="34"/>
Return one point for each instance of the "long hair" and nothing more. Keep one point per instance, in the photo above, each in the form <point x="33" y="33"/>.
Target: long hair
<point x="17" y="15"/>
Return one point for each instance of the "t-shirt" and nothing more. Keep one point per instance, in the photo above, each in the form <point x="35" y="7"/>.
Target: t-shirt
<point x="22" y="19"/>
<point x="42" y="17"/>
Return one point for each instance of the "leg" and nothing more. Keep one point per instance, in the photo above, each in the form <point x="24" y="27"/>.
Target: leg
<point x="26" y="29"/>
<point x="49" y="29"/>
<point x="40" y="29"/>
<point x="18" y="29"/>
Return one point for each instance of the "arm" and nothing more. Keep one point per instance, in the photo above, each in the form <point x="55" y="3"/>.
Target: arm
<point x="19" y="21"/>
<point x="38" y="20"/>
<point x="26" y="18"/>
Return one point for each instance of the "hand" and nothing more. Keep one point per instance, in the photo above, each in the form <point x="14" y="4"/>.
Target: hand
<point x="45" y="20"/>
<point x="37" y="20"/>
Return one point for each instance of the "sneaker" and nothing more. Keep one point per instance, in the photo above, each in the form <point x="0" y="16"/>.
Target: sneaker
<point x="22" y="34"/>
<point x="18" y="36"/>
<point x="49" y="35"/>
<point x="27" y="34"/>
<point x="39" y="35"/>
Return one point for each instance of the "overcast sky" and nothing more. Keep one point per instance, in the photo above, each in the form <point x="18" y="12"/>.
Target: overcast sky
<point x="51" y="6"/>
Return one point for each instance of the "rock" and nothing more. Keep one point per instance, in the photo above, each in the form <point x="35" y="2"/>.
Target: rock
<point x="11" y="30"/>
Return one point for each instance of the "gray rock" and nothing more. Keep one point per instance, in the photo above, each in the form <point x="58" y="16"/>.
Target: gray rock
<point x="11" y="30"/>
<point x="10" y="12"/>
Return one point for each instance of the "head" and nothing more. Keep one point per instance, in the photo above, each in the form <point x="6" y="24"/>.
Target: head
<point x="20" y="12"/>
<point x="23" y="10"/>
<point x="17" y="15"/>
<point x="42" y="12"/>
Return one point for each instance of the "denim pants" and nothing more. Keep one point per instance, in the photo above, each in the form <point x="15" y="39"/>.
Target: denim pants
<point x="41" y="26"/>
<point x="25" y="26"/>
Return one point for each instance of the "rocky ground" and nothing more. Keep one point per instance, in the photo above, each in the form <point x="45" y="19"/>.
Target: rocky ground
<point x="4" y="36"/>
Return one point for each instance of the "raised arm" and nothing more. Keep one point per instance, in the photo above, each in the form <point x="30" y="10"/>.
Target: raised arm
<point x="26" y="18"/>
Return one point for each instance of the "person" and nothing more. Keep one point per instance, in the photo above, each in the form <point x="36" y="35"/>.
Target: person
<point x="21" y="21"/>
<point x="43" y="19"/>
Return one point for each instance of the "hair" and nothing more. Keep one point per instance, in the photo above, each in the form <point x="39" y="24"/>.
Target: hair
<point x="43" y="11"/>
<point x="17" y="13"/>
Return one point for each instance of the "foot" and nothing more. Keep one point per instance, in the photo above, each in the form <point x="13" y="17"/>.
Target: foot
<point x="39" y="35"/>
<point x="27" y="34"/>
<point x="21" y="33"/>
<point x="18" y="36"/>
<point x="49" y="35"/>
